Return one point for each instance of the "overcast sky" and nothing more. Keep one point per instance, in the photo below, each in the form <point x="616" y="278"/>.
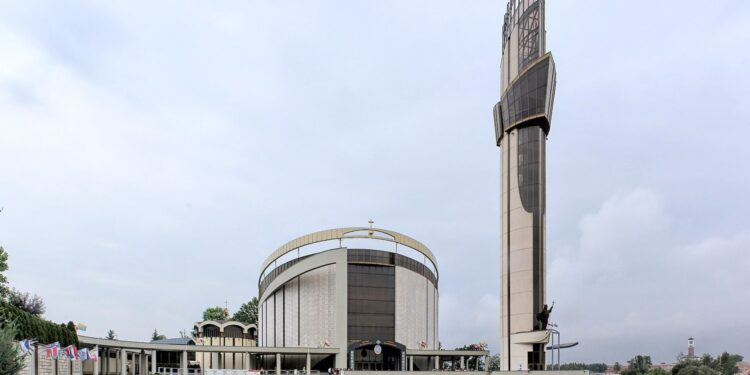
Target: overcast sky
<point x="153" y="154"/>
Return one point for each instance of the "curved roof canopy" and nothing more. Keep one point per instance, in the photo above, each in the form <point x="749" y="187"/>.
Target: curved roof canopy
<point x="345" y="233"/>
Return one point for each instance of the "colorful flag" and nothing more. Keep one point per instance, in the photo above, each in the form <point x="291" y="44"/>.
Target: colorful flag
<point x="83" y="354"/>
<point x="93" y="355"/>
<point x="52" y="350"/>
<point x="71" y="351"/>
<point x="81" y="327"/>
<point x="26" y="345"/>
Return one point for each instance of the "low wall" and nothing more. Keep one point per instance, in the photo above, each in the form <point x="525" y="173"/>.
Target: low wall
<point x="49" y="366"/>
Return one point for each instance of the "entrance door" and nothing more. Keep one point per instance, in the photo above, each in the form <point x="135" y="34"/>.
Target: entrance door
<point x="377" y="357"/>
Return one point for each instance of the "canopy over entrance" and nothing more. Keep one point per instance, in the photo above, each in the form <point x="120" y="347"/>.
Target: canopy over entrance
<point x="377" y="355"/>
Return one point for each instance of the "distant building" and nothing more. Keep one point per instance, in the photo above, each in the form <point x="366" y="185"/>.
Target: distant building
<point x="224" y="333"/>
<point x="690" y="351"/>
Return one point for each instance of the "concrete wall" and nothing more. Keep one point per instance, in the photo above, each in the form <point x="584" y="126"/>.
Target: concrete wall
<point x="301" y="312"/>
<point x="291" y="309"/>
<point x="49" y="366"/>
<point x="416" y="310"/>
<point x="317" y="307"/>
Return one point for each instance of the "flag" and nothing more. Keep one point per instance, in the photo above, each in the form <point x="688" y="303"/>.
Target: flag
<point x="81" y="327"/>
<point x="52" y="350"/>
<point x="26" y="345"/>
<point x="71" y="351"/>
<point x="83" y="354"/>
<point x="93" y="355"/>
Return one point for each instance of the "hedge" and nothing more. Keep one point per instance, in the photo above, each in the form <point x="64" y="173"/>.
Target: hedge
<point x="31" y="326"/>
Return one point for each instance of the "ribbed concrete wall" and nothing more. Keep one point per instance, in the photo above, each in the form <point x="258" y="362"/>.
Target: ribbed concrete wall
<point x="291" y="311"/>
<point x="317" y="302"/>
<point x="279" y="297"/>
<point x="416" y="299"/>
<point x="304" y="313"/>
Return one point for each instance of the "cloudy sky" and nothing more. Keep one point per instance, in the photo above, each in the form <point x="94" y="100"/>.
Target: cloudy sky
<point x="153" y="154"/>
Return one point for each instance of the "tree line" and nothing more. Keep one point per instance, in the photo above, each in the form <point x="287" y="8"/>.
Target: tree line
<point x="21" y="318"/>
<point x="723" y="364"/>
<point x="247" y="313"/>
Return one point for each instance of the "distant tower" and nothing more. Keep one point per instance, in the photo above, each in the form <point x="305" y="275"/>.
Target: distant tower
<point x="691" y="348"/>
<point x="522" y="122"/>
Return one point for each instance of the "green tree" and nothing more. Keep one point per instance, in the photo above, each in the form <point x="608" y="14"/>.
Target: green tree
<point x="657" y="371"/>
<point x="248" y="312"/>
<point x="697" y="369"/>
<point x="617" y="367"/>
<point x="574" y="366"/>
<point x="495" y="363"/>
<point x="215" y="313"/>
<point x="3" y="268"/>
<point x="156" y="336"/>
<point x="111" y="335"/>
<point x="32" y="304"/>
<point x="727" y="363"/>
<point x="598" y="368"/>
<point x="639" y="365"/>
<point x="682" y="364"/>
<point x="11" y="359"/>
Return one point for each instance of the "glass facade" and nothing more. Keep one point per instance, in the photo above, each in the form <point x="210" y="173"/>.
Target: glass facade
<point x="528" y="37"/>
<point x="529" y="139"/>
<point x="384" y="257"/>
<point x="527" y="96"/>
<point x="372" y="302"/>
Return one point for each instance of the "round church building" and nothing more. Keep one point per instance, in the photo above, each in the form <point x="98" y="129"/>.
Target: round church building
<point x="368" y="293"/>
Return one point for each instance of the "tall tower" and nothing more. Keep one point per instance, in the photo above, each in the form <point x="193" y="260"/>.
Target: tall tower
<point x="691" y="348"/>
<point x="522" y="122"/>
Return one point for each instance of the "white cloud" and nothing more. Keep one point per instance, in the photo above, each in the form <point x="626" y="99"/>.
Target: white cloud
<point x="465" y="321"/>
<point x="628" y="287"/>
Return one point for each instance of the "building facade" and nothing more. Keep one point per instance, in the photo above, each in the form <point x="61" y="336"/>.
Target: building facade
<point x="224" y="333"/>
<point x="372" y="293"/>
<point x="522" y="122"/>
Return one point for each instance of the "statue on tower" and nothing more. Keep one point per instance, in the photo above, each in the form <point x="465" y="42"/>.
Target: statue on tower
<point x="543" y="316"/>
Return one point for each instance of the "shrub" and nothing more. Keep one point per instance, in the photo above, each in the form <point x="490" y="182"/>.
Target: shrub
<point x="11" y="359"/>
<point x="30" y="326"/>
